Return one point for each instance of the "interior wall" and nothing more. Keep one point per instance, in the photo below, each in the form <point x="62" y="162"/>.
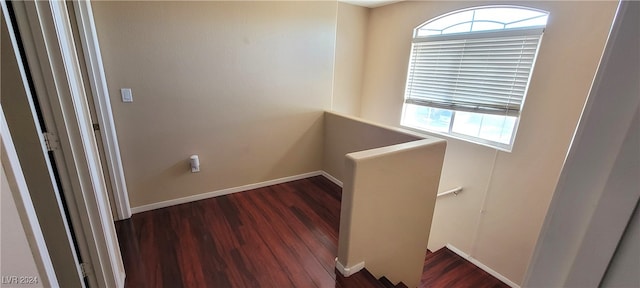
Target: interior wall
<point x="388" y="200"/>
<point x="377" y="226"/>
<point x="344" y="135"/>
<point x="499" y="215"/>
<point x="350" y="50"/>
<point x="241" y="84"/>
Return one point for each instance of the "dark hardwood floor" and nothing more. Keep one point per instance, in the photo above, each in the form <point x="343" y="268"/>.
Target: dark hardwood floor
<point x="283" y="235"/>
<point x="444" y="268"/>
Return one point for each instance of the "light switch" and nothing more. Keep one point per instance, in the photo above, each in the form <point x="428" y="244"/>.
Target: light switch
<point x="127" y="97"/>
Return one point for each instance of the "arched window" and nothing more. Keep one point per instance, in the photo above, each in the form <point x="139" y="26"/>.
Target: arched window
<point x="469" y="72"/>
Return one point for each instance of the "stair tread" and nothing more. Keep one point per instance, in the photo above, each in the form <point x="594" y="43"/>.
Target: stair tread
<point x="364" y="279"/>
<point x="361" y="279"/>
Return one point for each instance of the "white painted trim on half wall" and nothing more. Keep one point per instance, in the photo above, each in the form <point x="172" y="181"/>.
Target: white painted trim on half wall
<point x="482" y="266"/>
<point x="348" y="271"/>
<point x="226" y="191"/>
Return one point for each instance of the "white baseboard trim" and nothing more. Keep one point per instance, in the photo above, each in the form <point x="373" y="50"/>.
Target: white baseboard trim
<point x="348" y="271"/>
<point x="222" y="192"/>
<point x="331" y="178"/>
<point x="482" y="266"/>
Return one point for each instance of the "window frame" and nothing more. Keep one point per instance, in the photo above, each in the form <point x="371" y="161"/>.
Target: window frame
<point x="415" y="30"/>
<point x="494" y="33"/>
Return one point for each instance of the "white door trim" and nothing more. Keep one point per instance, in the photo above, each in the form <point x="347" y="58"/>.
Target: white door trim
<point x="64" y="104"/>
<point x="11" y="166"/>
<point x="100" y="92"/>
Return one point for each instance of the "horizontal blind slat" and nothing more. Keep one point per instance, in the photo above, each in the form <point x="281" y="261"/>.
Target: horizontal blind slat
<point x="484" y="73"/>
<point x="489" y="78"/>
<point x="467" y="108"/>
<point x="484" y="95"/>
<point x="466" y="97"/>
<point x="504" y="90"/>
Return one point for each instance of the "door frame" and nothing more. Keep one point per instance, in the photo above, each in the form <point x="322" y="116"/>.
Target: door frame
<point x="101" y="98"/>
<point x="47" y="198"/>
<point x="597" y="192"/>
<point x="52" y="56"/>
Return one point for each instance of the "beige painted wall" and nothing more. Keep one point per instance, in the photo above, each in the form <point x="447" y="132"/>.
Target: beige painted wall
<point x="17" y="259"/>
<point x="387" y="205"/>
<point x="498" y="216"/>
<point x="350" y="50"/>
<point x="242" y="84"/>
<point x="344" y="134"/>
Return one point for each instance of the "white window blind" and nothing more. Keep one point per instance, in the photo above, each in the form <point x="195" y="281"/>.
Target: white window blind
<point x="487" y="73"/>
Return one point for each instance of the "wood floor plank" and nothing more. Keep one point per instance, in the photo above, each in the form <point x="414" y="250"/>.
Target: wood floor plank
<point x="169" y="276"/>
<point x="284" y="235"/>
<point x="189" y="257"/>
<point x="318" y="238"/>
<point x="291" y="237"/>
<point x="262" y="247"/>
<point x="133" y="264"/>
<point x="444" y="268"/>
<point x="276" y="236"/>
<point x="318" y="259"/>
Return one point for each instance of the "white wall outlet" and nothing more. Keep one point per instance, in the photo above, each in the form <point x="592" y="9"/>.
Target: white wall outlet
<point x="194" y="161"/>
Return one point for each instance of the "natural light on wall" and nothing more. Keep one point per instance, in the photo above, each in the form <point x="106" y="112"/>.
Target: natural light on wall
<point x="469" y="72"/>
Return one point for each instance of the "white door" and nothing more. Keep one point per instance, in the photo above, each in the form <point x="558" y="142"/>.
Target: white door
<point x="50" y="51"/>
<point x="34" y="159"/>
